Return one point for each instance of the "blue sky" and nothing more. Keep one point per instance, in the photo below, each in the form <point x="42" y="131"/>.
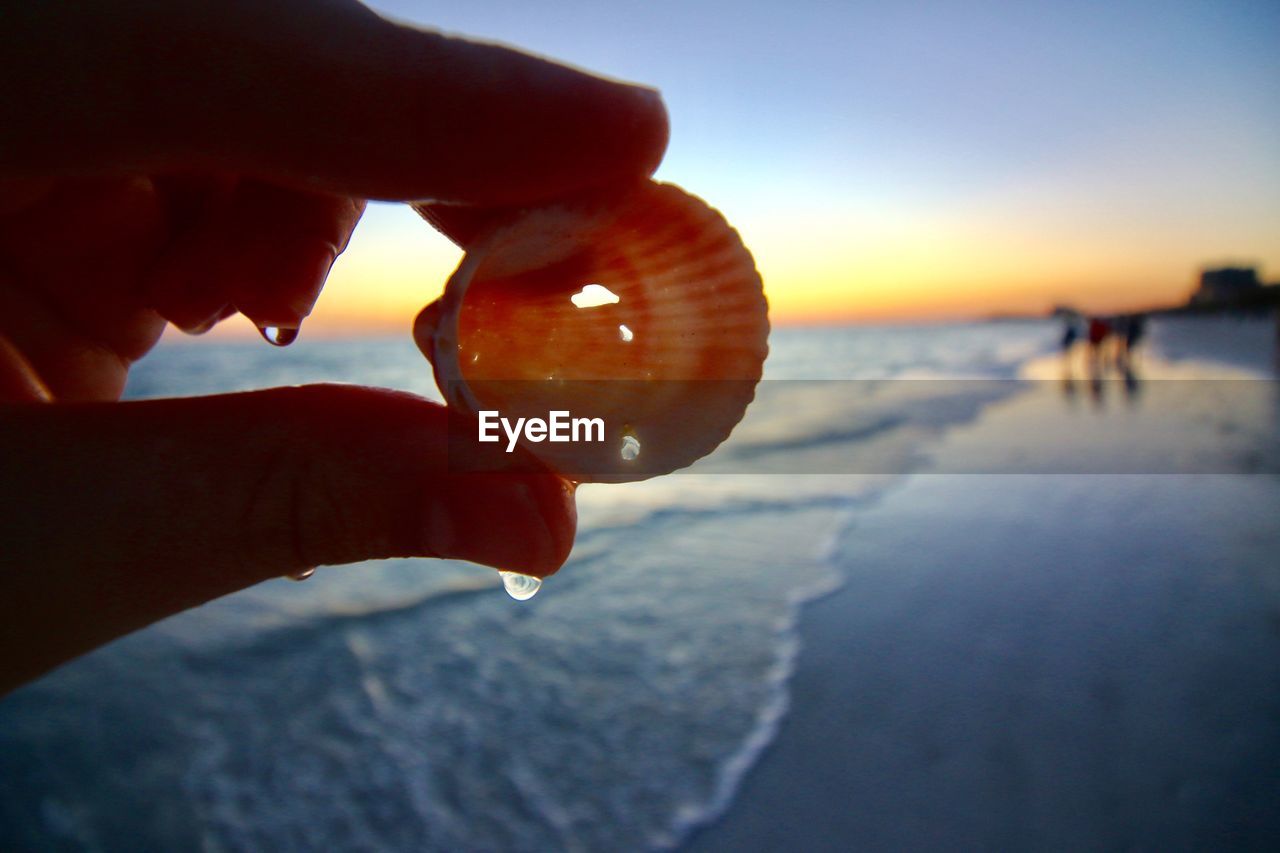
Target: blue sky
<point x="928" y="159"/>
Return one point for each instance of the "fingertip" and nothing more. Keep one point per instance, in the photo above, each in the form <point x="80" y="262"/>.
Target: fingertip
<point x="514" y="522"/>
<point x="513" y="129"/>
<point x="560" y="513"/>
<point x="263" y="249"/>
<point x="280" y="288"/>
<point x="652" y="129"/>
<point x="625" y="144"/>
<point x="285" y="243"/>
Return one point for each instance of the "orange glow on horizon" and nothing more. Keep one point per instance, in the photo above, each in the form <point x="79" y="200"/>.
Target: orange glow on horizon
<point x="837" y="267"/>
<point x="873" y="300"/>
<point x="363" y="303"/>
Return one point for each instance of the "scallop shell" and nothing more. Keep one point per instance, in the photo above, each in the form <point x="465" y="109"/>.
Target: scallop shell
<point x="669" y="362"/>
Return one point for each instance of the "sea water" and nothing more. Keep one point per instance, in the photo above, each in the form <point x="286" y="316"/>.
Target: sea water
<point x="410" y="705"/>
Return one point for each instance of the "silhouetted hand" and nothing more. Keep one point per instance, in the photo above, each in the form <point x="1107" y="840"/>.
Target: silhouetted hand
<point x="179" y="162"/>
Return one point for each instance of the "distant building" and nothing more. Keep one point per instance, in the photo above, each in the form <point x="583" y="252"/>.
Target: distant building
<point x="1226" y="286"/>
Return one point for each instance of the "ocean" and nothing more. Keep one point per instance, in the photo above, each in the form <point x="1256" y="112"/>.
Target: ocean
<point x="411" y="705"/>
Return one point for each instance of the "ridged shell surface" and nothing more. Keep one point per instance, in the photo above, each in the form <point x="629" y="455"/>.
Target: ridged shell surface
<point x="643" y="309"/>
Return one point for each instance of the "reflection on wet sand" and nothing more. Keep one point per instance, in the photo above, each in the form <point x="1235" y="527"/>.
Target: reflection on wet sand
<point x="1098" y="351"/>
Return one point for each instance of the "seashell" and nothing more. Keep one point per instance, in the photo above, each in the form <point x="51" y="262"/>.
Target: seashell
<point x="641" y="308"/>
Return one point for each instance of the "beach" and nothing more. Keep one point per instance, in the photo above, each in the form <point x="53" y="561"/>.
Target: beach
<point x="930" y="594"/>
<point x="865" y="418"/>
<point x="1051" y="660"/>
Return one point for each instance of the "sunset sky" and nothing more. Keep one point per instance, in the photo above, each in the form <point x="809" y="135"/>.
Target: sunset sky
<point x="916" y="160"/>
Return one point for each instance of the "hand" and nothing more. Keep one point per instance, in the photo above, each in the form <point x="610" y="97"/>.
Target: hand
<point x="165" y="161"/>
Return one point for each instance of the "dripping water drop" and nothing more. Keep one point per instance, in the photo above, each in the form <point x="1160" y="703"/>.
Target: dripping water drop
<point x="301" y="574"/>
<point x="626" y="334"/>
<point x="630" y="448"/>
<point x="278" y="336"/>
<point x="520" y="587"/>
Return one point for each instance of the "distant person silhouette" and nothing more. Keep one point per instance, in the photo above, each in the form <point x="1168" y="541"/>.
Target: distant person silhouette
<point x="1099" y="331"/>
<point x="1070" y="335"/>
<point x="1137" y="329"/>
<point x="1129" y="334"/>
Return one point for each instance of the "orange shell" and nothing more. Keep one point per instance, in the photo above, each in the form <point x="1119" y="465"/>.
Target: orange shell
<point x="669" y="366"/>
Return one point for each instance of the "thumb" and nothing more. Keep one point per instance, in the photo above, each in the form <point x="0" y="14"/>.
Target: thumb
<point x="121" y="514"/>
<point x="325" y="95"/>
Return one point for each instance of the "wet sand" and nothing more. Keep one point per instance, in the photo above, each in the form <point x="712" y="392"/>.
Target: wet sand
<point x="1045" y="661"/>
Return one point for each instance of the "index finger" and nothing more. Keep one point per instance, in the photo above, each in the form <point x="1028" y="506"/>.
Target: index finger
<point x="324" y="95"/>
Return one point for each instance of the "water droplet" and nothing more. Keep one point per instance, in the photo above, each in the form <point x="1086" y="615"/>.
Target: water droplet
<point x="626" y="334"/>
<point x="630" y="448"/>
<point x="301" y="574"/>
<point x="277" y="336"/>
<point x="520" y="587"/>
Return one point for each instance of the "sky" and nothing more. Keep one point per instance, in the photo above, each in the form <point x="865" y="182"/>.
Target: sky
<point x="915" y="161"/>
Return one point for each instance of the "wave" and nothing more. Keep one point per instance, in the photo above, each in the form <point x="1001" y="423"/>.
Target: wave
<point x="690" y="817"/>
<point x="840" y="436"/>
<point x="393" y="706"/>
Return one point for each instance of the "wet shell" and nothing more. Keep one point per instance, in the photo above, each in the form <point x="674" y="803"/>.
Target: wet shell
<point x="668" y="358"/>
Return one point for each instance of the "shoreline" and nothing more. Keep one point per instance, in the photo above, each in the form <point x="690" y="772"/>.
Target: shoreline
<point x="1049" y="660"/>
